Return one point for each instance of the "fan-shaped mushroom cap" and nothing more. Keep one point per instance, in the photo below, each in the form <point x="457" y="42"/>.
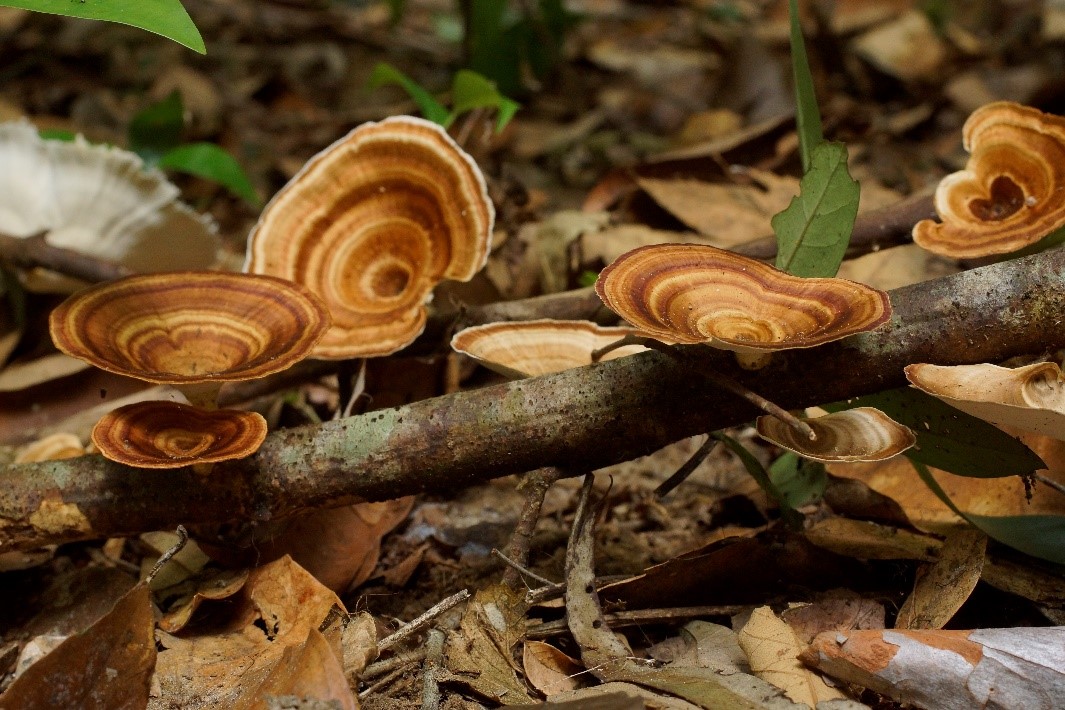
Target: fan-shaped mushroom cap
<point x="689" y="293"/>
<point x="1012" y="191"/>
<point x="172" y="435"/>
<point x="859" y="434"/>
<point x="191" y="327"/>
<point x="53" y="447"/>
<point x="1030" y="397"/>
<point x="539" y="347"/>
<point x="98" y="200"/>
<point x="371" y="224"/>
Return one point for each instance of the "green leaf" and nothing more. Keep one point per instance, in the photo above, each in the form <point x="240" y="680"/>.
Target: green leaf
<point x="395" y="11"/>
<point x="588" y="278"/>
<point x="157" y="129"/>
<point x="208" y="161"/>
<point x="808" y="116"/>
<point x="1041" y="536"/>
<point x="56" y="134"/>
<point x="470" y="90"/>
<point x="761" y="476"/>
<point x="950" y="439"/>
<point x="799" y="480"/>
<point x="162" y="17"/>
<point x="385" y="74"/>
<point x="813" y="231"/>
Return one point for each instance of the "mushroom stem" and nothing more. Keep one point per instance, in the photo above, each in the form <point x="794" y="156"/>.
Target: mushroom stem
<point x="201" y="394"/>
<point x="723" y="381"/>
<point x="1049" y="482"/>
<point x="35" y="251"/>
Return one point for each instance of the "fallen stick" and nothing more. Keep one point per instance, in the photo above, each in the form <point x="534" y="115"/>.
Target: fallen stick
<point x="579" y="419"/>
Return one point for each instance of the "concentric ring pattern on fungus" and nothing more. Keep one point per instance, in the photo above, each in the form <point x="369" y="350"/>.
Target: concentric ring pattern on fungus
<point x="170" y="435"/>
<point x="859" y="434"/>
<point x="688" y="293"/>
<point x="371" y="224"/>
<point x="1012" y="191"/>
<point x="190" y="327"/>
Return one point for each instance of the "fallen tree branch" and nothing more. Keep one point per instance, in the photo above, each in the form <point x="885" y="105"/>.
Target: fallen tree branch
<point x="579" y="419"/>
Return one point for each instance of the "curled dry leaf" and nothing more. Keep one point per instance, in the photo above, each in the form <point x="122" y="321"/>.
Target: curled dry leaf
<point x="371" y="224"/>
<point x="859" y="434"/>
<point x="539" y="347"/>
<point x="190" y="327"/>
<point x="171" y="435"/>
<point x="100" y="201"/>
<point x="689" y="293"/>
<point x="1031" y="397"/>
<point x="1008" y="196"/>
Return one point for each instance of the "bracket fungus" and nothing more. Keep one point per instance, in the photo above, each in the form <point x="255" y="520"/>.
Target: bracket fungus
<point x="190" y="328"/>
<point x="689" y="293"/>
<point x="98" y="200"/>
<point x="371" y="224"/>
<point x="171" y="435"/>
<point x="859" y="434"/>
<point x="1031" y="397"/>
<point x="1012" y="191"/>
<point x="539" y="347"/>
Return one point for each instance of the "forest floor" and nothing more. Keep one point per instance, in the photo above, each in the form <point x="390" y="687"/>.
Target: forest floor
<point x="631" y="138"/>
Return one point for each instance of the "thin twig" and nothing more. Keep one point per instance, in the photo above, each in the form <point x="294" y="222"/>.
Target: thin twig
<point x="536" y="484"/>
<point x="666" y="486"/>
<point x="423" y="620"/>
<point x="622" y="619"/>
<point x="35" y="251"/>
<point x="434" y="661"/>
<point x="382" y="683"/>
<point x="1049" y="482"/>
<point x="522" y="570"/>
<point x="721" y="380"/>
<point x="400" y="661"/>
<point x="183" y="539"/>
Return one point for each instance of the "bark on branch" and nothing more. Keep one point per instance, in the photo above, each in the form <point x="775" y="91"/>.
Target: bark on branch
<point x="580" y="419"/>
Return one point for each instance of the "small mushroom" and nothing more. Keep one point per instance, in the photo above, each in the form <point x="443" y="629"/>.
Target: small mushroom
<point x="1031" y="397"/>
<point x="371" y="224"/>
<point x="859" y="434"/>
<point x="1010" y="194"/>
<point x="539" y="347"/>
<point x="98" y="200"/>
<point x="193" y="327"/>
<point x="171" y="435"/>
<point x="689" y="293"/>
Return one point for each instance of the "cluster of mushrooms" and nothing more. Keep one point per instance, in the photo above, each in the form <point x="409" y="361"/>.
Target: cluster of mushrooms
<point x="345" y="257"/>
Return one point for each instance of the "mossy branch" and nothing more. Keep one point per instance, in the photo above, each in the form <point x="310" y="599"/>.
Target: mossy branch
<point x="580" y="419"/>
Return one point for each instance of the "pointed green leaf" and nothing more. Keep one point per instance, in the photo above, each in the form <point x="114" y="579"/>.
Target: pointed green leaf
<point x="807" y="116"/>
<point x="157" y="129"/>
<point x="1041" y="536"/>
<point x="787" y="511"/>
<point x="799" y="480"/>
<point x="949" y="439"/>
<point x="812" y="233"/>
<point x="210" y="162"/>
<point x="162" y="17"/>
<point x="470" y="90"/>
<point x="385" y="74"/>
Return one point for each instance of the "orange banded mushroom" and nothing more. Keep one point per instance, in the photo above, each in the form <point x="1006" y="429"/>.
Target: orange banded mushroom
<point x="171" y="435"/>
<point x="689" y="293"/>
<point x="859" y="434"/>
<point x="1012" y="191"/>
<point x="1031" y="397"/>
<point x="371" y="224"/>
<point x="190" y="328"/>
<point x="539" y="347"/>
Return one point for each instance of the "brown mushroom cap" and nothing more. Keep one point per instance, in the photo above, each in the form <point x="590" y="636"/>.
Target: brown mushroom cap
<point x="539" y="347"/>
<point x="190" y="327"/>
<point x="689" y="293"/>
<point x="371" y="224"/>
<point x="162" y="434"/>
<point x="1030" y="397"/>
<point x="1010" y="194"/>
<point x="859" y="434"/>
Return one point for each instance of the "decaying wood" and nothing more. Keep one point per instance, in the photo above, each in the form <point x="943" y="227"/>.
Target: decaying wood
<point x="579" y="419"/>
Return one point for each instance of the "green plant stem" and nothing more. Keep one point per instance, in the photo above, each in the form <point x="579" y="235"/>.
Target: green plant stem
<point x="584" y="418"/>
